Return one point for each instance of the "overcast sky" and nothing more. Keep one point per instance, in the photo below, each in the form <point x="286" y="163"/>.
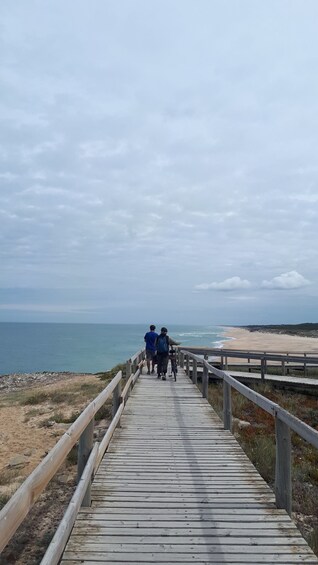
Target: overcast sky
<point x="158" y="161"/>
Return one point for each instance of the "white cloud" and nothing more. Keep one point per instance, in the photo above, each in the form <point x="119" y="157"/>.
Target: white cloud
<point x="286" y="281"/>
<point x="234" y="283"/>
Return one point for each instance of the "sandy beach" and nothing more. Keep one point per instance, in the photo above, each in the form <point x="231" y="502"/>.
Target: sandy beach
<point x="270" y="342"/>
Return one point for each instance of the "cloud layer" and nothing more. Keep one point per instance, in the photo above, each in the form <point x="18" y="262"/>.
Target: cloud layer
<point x="285" y="281"/>
<point x="145" y="147"/>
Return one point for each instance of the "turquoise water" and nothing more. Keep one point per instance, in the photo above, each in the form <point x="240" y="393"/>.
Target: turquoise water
<point x="36" y="347"/>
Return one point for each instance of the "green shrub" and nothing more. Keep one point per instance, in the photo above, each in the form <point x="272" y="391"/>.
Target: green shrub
<point x="8" y="475"/>
<point x="109" y="375"/>
<point x="36" y="398"/>
<point x="104" y="413"/>
<point x="60" y="396"/>
<point x="3" y="500"/>
<point x="313" y="540"/>
<point x="71" y="458"/>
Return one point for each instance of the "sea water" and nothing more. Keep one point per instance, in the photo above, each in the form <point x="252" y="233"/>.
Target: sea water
<point x="37" y="347"/>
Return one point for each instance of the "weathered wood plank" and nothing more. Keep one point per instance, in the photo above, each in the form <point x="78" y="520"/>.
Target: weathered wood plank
<point x="175" y="487"/>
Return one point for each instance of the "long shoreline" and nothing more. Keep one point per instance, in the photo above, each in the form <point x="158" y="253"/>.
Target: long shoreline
<point x="240" y="338"/>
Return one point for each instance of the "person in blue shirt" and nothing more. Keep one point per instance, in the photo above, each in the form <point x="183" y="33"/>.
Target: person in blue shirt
<point x="150" y="339"/>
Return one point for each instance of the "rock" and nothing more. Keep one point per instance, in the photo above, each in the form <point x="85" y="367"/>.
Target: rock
<point x="64" y="479"/>
<point x="50" y="423"/>
<point x="18" y="461"/>
<point x="242" y="425"/>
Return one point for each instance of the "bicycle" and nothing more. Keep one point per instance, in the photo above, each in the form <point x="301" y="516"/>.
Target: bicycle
<point x="173" y="362"/>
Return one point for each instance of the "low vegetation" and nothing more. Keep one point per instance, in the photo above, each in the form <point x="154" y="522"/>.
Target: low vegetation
<point x="52" y="409"/>
<point x="258" y="442"/>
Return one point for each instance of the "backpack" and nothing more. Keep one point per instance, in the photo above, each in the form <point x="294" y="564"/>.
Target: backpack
<point x="162" y="344"/>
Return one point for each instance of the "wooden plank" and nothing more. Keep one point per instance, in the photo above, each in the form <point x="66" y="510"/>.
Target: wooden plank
<point x="175" y="487"/>
<point x="200" y="544"/>
<point x="242" y="554"/>
<point x="192" y="534"/>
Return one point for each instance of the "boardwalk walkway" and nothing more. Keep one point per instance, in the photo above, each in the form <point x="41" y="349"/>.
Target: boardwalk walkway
<point x="301" y="383"/>
<point x="175" y="487"/>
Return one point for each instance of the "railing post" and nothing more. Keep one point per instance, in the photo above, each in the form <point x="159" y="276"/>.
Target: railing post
<point x="262" y="369"/>
<point x="188" y="365"/>
<point x="222" y="362"/>
<point x="128" y="368"/>
<point x="134" y="366"/>
<point x="305" y="365"/>
<point x="116" y="399"/>
<point x="205" y="382"/>
<point x="283" y="484"/>
<point x="227" y="406"/>
<point x="194" y="371"/>
<point x="283" y="369"/>
<point x="226" y="364"/>
<point x="178" y="357"/>
<point x="181" y="360"/>
<point x="85" y="446"/>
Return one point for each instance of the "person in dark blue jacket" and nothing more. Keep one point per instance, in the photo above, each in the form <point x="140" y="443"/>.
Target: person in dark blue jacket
<point x="150" y="339"/>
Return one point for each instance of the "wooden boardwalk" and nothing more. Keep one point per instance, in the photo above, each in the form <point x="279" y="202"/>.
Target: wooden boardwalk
<point x="301" y="383"/>
<point x="175" y="487"/>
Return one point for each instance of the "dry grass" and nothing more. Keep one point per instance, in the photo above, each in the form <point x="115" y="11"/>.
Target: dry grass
<point x="46" y="408"/>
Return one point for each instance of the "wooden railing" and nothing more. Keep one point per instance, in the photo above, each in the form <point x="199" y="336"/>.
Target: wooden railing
<point x="284" y="421"/>
<point x="89" y="458"/>
<point x="264" y="358"/>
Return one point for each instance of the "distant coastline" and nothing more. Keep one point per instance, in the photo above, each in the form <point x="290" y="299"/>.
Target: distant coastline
<point x="273" y="338"/>
<point x="300" y="330"/>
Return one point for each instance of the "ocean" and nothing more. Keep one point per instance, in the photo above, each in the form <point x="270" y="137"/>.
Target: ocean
<point x="84" y="348"/>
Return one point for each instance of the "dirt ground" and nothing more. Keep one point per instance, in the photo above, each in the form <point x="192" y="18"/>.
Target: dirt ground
<point x="27" y="432"/>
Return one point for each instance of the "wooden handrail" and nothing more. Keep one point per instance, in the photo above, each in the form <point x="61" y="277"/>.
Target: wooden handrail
<point x="240" y="354"/>
<point x="16" y="509"/>
<point x="56" y="547"/>
<point x="284" y="423"/>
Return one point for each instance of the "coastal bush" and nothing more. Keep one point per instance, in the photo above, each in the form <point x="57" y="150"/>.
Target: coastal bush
<point x="261" y="451"/>
<point x="8" y="475"/>
<point x="70" y="419"/>
<point x="31" y="414"/>
<point x="35" y="398"/>
<point x="109" y="375"/>
<point x="71" y="458"/>
<point x="104" y="413"/>
<point x="58" y="417"/>
<point x="60" y="396"/>
<point x="313" y="539"/>
<point x="4" y="499"/>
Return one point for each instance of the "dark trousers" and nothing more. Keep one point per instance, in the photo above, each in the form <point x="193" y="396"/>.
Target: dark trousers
<point x="162" y="366"/>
